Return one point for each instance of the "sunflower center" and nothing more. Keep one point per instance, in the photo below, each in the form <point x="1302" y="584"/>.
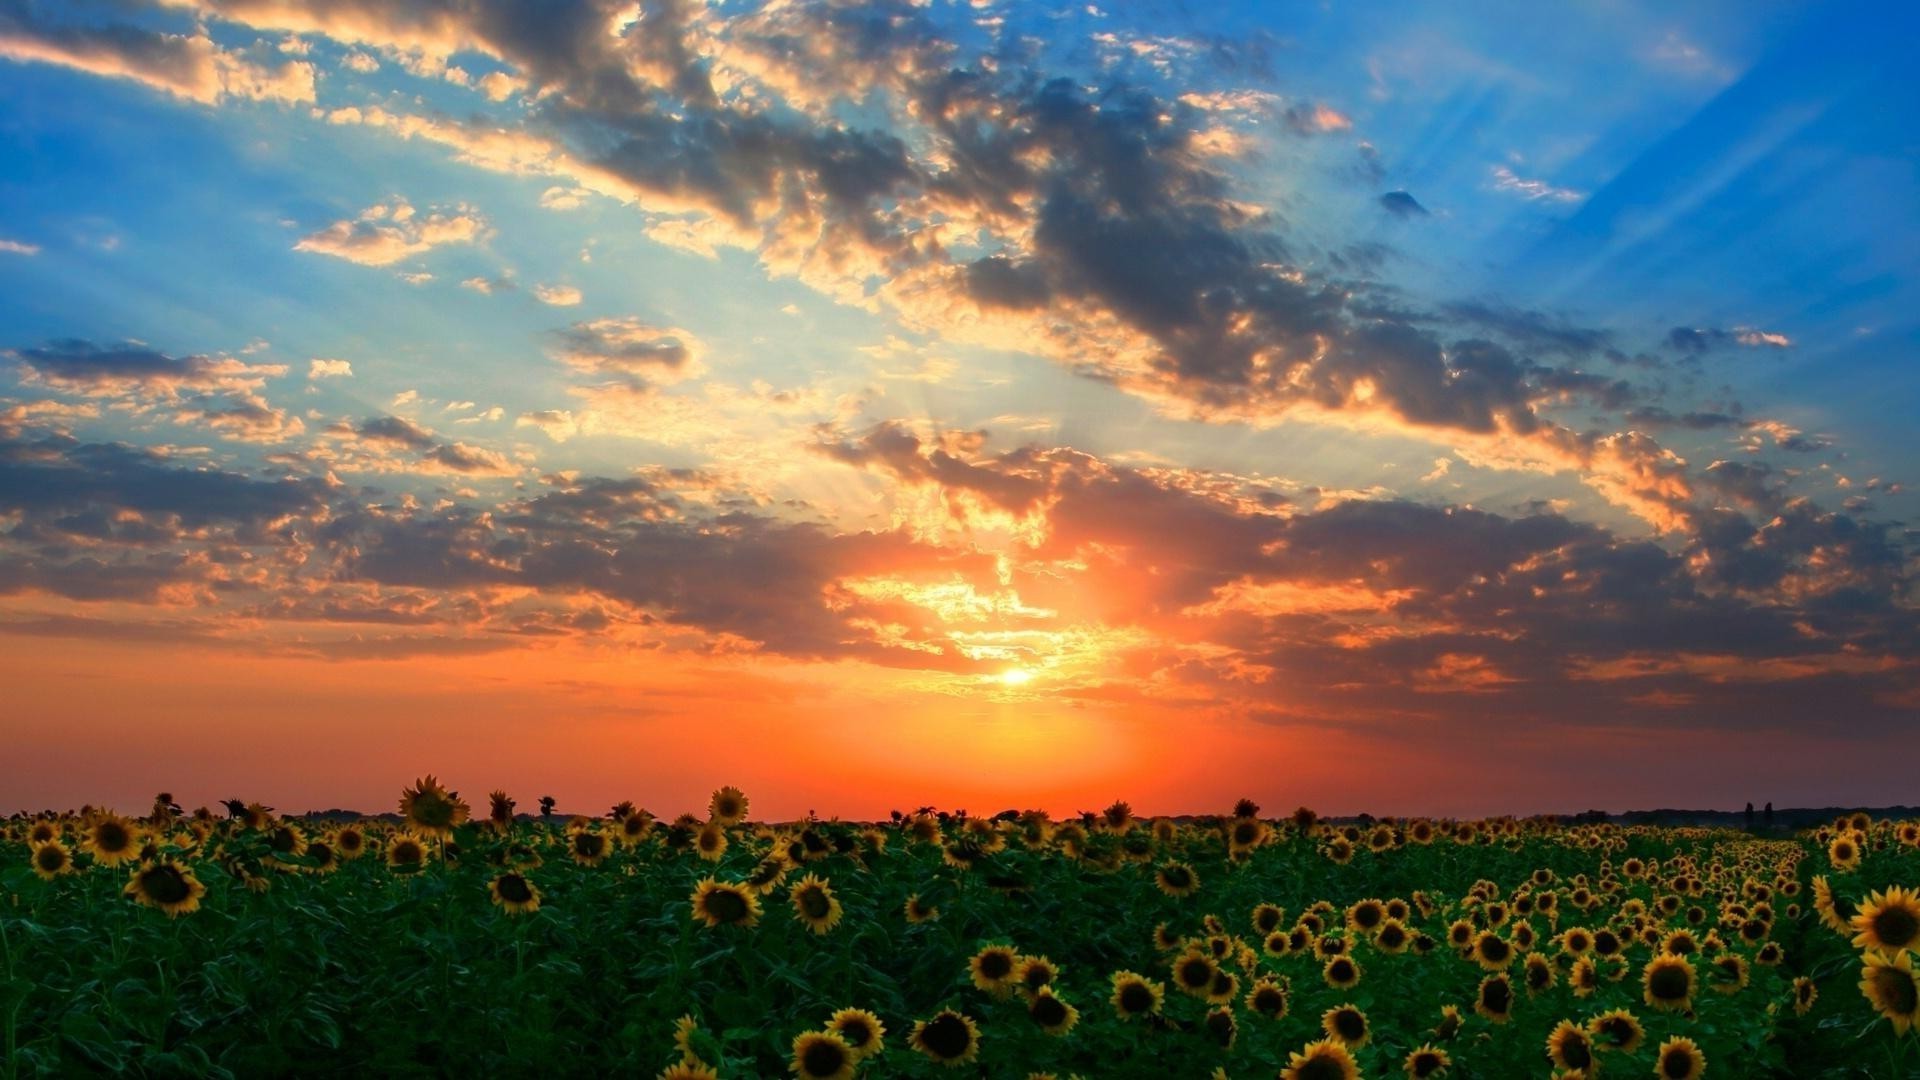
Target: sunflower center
<point x="1048" y="1011"/>
<point x="1497" y="996"/>
<point x="49" y="858"/>
<point x="1670" y="983"/>
<point x="1195" y="973"/>
<point x="514" y="890"/>
<point x="1349" y="1025"/>
<point x="822" y="1058"/>
<point x="1135" y="997"/>
<point x="112" y="837"/>
<point x="1321" y="1067"/>
<point x="1575" y="1052"/>
<point x="814" y="902"/>
<point x="856" y="1032"/>
<point x="996" y="965"/>
<point x="1676" y="1064"/>
<point x="1896" y="990"/>
<point x="165" y="885"/>
<point x="947" y="1036"/>
<point x="726" y="906"/>
<point x="1896" y="927"/>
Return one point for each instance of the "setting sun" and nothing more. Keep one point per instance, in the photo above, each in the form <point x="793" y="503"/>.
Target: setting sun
<point x="1016" y="676"/>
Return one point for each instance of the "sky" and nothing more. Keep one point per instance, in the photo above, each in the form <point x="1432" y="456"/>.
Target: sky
<point x="1443" y="409"/>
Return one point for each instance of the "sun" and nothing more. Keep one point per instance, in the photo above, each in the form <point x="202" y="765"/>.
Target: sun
<point x="1016" y="677"/>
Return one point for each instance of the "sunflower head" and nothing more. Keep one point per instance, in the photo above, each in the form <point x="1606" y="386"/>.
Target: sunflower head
<point x="948" y="1037"/>
<point x="815" y="905"/>
<point x="1617" y="1030"/>
<point x="51" y="859"/>
<point x="1134" y="995"/>
<point x="862" y="1031"/>
<point x="728" y="806"/>
<point x="1494" y="1000"/>
<point x="1177" y="879"/>
<point x="1328" y="1059"/>
<point x="994" y="968"/>
<point x="406" y="852"/>
<point x="1889" y="986"/>
<point x="920" y="911"/>
<point x="1679" y="1059"/>
<point x="1427" y="1060"/>
<point x="823" y="1055"/>
<point x="1668" y="982"/>
<point x="167" y="886"/>
<point x="1888" y="921"/>
<point x="1348" y="1024"/>
<point x="112" y="840"/>
<point x="1051" y="1013"/>
<point x="514" y="893"/>
<point x="724" y="903"/>
<point x="1268" y="998"/>
<point x="431" y="809"/>
<point x="1570" y="1047"/>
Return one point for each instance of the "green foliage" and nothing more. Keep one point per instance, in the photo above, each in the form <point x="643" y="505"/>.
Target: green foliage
<point x="299" y="964"/>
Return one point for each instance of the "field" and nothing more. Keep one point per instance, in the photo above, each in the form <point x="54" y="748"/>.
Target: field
<point x="444" y="940"/>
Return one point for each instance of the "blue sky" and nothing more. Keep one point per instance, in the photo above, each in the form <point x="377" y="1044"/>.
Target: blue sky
<point x="902" y="303"/>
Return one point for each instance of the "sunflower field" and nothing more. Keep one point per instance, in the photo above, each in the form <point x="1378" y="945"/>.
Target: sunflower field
<point x="437" y="941"/>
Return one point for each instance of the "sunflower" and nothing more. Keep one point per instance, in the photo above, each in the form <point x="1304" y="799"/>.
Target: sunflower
<point x="1583" y="978"/>
<point x="862" y="1031"/>
<point x="1268" y="998"/>
<point x="588" y="848"/>
<point x="514" y="893"/>
<point x="1348" y="1024"/>
<point x="1569" y="1047"/>
<point x="406" y="852"/>
<point x="1051" y="1013"/>
<point x="1491" y="951"/>
<point x="1835" y="910"/>
<point x="324" y="859"/>
<point x="1193" y="973"/>
<point x="432" y="810"/>
<point x="711" y="842"/>
<point x="1888" y="921"/>
<point x="1135" y="995"/>
<point x="1727" y="973"/>
<point x="950" y="1038"/>
<point x="42" y="831"/>
<point x="51" y="859"/>
<point x="1427" y="1060"/>
<point x="1890" y="987"/>
<point x="728" y="806"/>
<point x="1617" y="1030"/>
<point x="500" y="810"/>
<point x="1392" y="937"/>
<point x="1805" y="993"/>
<point x="767" y="874"/>
<point x="1679" y="1059"/>
<point x="1844" y="853"/>
<point x="166" y="886"/>
<point x="822" y="1055"/>
<point x="286" y="839"/>
<point x="1668" y="982"/>
<point x="1327" y="1059"/>
<point x="1449" y="1024"/>
<point x="1177" y="879"/>
<point x="1341" y="972"/>
<point x="1221" y="1027"/>
<point x="1365" y="915"/>
<point x="1033" y="973"/>
<point x="994" y="969"/>
<point x="1267" y="918"/>
<point x="689" y="1069"/>
<point x="724" y="903"/>
<point x="919" y="911"/>
<point x="111" y="840"/>
<point x="1494" y="1000"/>
<point x="350" y="842"/>
<point x="815" y="904"/>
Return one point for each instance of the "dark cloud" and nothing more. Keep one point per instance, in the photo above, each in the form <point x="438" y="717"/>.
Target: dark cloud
<point x="1402" y="205"/>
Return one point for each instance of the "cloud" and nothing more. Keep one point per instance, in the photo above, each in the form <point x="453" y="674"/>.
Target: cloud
<point x="396" y="444"/>
<point x="557" y="295"/>
<point x="1504" y="179"/>
<point x="187" y="66"/>
<point x="385" y="233"/>
<point x="18" y="247"/>
<point x="318" y="369"/>
<point x="1693" y="341"/>
<point x="628" y="352"/>
<point x="130" y="368"/>
<point x="1401" y="204"/>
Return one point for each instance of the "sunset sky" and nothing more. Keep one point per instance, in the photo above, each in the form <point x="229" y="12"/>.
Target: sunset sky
<point x="1420" y="408"/>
